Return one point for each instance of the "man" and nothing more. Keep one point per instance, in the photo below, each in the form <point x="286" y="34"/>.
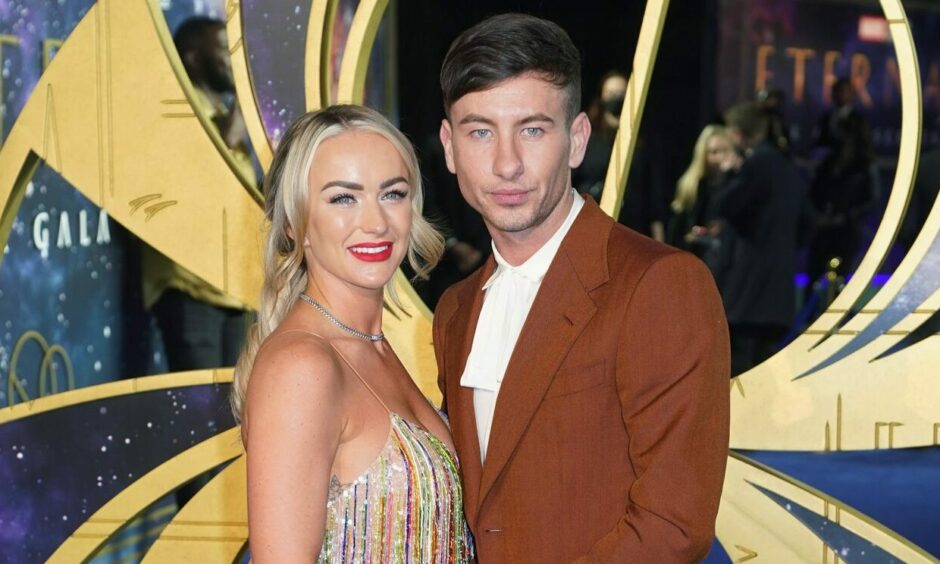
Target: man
<point x="201" y="326"/>
<point x="762" y="207"/>
<point x="584" y="367"/>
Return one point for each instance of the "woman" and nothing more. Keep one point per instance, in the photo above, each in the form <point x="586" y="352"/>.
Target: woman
<point x="346" y="459"/>
<point x="694" y="227"/>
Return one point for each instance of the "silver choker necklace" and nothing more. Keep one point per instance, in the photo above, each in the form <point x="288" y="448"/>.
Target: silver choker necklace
<point x="332" y="319"/>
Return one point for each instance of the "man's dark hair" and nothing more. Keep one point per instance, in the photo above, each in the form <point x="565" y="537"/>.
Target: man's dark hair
<point x="192" y="33"/>
<point x="507" y="46"/>
<point x="750" y="118"/>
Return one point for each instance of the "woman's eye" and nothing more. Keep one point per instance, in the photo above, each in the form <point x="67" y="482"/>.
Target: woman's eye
<point x="395" y="195"/>
<point x="343" y="199"/>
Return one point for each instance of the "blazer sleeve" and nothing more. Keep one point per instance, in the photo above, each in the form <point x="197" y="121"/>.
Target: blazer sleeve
<point x="437" y="335"/>
<point x="673" y="368"/>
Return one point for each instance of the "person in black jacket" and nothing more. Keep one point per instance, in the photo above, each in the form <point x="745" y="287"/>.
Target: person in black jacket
<point x="693" y="225"/>
<point x="761" y="207"/>
<point x="845" y="189"/>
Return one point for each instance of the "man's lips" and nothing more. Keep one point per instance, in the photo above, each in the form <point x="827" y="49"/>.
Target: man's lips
<point x="372" y="252"/>
<point x="510" y="197"/>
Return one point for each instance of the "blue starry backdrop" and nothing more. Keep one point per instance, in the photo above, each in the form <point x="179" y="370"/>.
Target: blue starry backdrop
<point x="108" y="443"/>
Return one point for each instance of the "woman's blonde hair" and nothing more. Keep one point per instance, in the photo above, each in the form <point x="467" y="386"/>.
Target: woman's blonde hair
<point x="687" y="186"/>
<point x="286" y="209"/>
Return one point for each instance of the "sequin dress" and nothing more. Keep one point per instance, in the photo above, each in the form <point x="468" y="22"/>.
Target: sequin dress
<point x="407" y="507"/>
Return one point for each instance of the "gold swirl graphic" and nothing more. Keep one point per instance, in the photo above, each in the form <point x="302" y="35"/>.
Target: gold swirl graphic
<point x="48" y="383"/>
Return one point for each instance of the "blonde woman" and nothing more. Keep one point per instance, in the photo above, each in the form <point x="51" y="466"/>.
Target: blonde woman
<point x="692" y="226"/>
<point x="347" y="461"/>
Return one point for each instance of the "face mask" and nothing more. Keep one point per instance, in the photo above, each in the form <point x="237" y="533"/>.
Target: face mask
<point x="614" y="105"/>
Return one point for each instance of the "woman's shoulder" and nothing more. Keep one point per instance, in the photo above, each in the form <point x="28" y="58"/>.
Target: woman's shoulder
<point x="299" y="358"/>
<point x="295" y="390"/>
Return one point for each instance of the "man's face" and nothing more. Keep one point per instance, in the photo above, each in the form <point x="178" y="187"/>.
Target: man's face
<point x="513" y="150"/>
<point x="216" y="61"/>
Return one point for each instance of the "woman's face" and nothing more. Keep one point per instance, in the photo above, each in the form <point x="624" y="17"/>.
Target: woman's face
<point x="360" y="210"/>
<point x="718" y="151"/>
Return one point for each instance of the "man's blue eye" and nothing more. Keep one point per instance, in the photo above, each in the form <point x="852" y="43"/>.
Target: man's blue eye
<point x="532" y="131"/>
<point x="480" y="133"/>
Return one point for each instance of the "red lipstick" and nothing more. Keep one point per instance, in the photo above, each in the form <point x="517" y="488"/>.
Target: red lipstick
<point x="372" y="252"/>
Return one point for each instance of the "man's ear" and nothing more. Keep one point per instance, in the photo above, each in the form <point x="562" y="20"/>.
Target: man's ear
<point x="579" y="134"/>
<point x="447" y="141"/>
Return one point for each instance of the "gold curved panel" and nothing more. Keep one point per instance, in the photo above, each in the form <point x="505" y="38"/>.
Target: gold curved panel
<point x="352" y="76"/>
<point x="751" y="525"/>
<point x="318" y="69"/>
<point x="857" y="403"/>
<point x="113" y="389"/>
<point x="213" y="524"/>
<point x="87" y="125"/>
<point x="409" y="333"/>
<point x="244" y="85"/>
<point x="123" y="507"/>
<point x="651" y="32"/>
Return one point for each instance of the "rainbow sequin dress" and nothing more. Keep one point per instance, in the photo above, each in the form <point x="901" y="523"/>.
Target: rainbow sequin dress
<point x="407" y="507"/>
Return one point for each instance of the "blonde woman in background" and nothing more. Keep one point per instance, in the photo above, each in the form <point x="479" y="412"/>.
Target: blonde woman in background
<point x="347" y="461"/>
<point x="693" y="226"/>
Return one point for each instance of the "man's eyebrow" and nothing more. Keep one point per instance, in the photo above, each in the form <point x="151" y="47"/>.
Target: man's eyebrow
<point x="536" y="118"/>
<point x="392" y="182"/>
<point x="342" y="184"/>
<point x="476" y="118"/>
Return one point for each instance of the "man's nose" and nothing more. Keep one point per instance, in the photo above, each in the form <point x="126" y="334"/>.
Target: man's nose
<point x="508" y="163"/>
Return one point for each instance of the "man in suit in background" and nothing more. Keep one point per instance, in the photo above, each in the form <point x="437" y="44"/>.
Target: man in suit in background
<point x="584" y="367"/>
<point x="764" y="211"/>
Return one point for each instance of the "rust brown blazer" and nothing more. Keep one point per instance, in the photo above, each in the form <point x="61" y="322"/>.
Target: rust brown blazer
<point x="610" y="433"/>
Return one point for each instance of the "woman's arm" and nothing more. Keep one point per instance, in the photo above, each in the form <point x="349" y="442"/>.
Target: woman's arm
<point x="295" y="416"/>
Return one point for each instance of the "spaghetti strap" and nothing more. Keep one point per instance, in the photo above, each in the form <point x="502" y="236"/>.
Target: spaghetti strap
<point x="361" y="379"/>
<point x="345" y="360"/>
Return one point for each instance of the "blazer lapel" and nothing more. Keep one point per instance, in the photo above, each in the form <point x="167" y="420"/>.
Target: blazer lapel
<point x="560" y="312"/>
<point x="460" y="331"/>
